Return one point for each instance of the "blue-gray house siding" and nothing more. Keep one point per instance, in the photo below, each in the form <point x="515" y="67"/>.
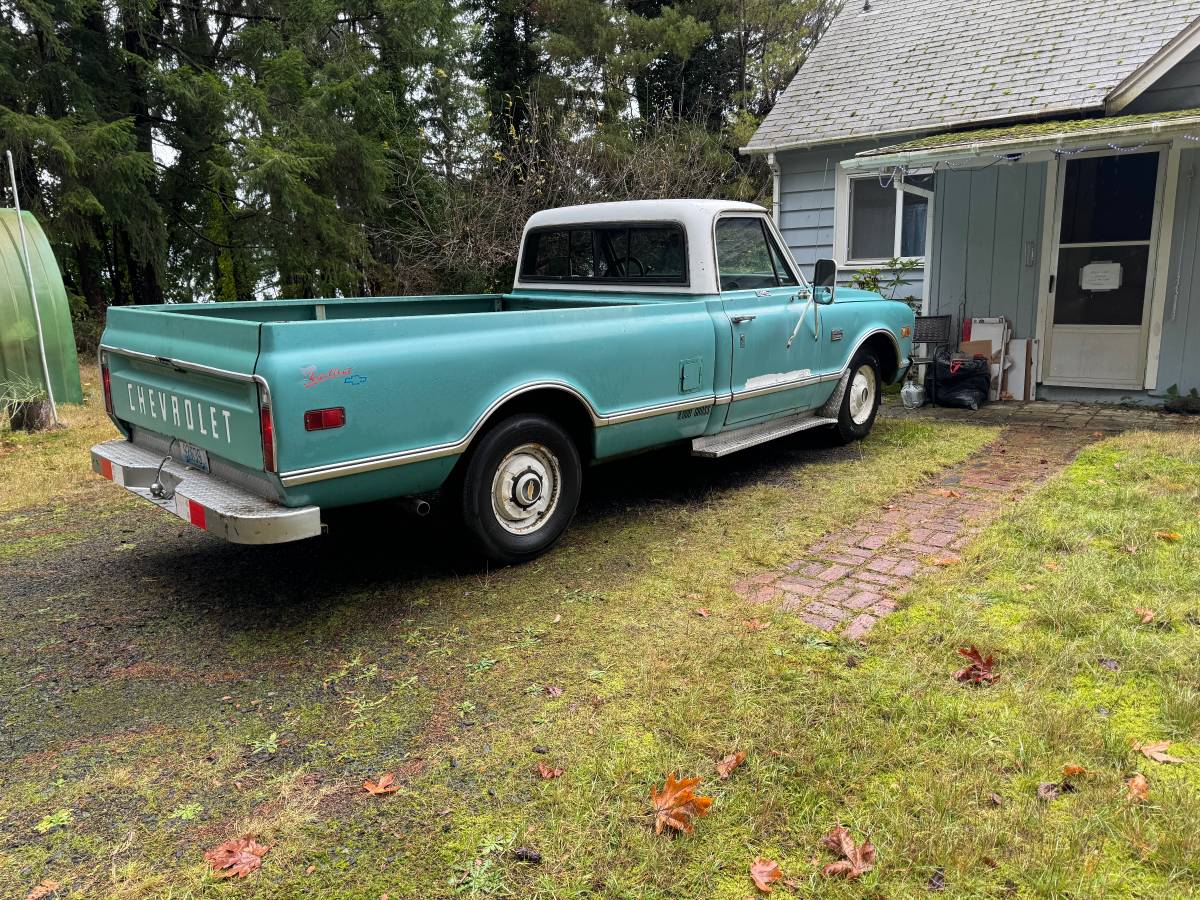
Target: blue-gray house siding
<point x="986" y="255"/>
<point x="1178" y="89"/>
<point x="987" y="235"/>
<point x="1179" y="356"/>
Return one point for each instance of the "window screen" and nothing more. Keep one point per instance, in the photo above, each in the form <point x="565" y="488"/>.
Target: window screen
<point x="645" y="254"/>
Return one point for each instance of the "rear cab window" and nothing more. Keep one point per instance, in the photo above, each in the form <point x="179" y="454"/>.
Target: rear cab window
<point x="607" y="254"/>
<point x="748" y="257"/>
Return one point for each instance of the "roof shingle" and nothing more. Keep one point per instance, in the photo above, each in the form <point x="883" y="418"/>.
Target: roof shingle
<point x="914" y="65"/>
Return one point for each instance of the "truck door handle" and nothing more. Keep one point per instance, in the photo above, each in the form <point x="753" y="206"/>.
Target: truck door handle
<point x="738" y="320"/>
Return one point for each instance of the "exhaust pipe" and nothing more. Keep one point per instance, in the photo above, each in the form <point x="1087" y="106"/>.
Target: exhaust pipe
<point x="416" y="506"/>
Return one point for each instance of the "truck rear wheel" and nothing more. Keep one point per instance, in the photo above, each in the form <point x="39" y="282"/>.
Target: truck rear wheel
<point x="520" y="488"/>
<point x="860" y="403"/>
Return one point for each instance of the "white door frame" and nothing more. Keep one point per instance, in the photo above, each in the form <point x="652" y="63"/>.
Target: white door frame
<point x="1157" y="265"/>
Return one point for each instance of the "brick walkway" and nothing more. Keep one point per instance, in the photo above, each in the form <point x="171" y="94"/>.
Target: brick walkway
<point x="846" y="581"/>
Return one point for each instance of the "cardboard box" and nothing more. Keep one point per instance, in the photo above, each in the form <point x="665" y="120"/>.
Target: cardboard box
<point x="976" y="348"/>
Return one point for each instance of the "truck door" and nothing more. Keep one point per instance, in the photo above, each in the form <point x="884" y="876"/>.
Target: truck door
<point x="774" y="353"/>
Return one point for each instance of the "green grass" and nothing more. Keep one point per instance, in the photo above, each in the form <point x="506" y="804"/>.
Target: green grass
<point x="442" y="679"/>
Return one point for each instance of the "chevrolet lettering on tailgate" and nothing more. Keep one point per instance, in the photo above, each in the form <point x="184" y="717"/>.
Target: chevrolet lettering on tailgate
<point x="181" y="413"/>
<point x="629" y="326"/>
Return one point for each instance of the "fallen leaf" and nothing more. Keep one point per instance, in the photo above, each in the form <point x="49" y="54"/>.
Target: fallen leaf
<point x="947" y="492"/>
<point x="1139" y="788"/>
<point x="980" y="669"/>
<point x="1051" y="565"/>
<point x="1117" y="466"/>
<point x="1131" y="548"/>
<point x="1072" y="770"/>
<point x="726" y="766"/>
<point x="1169" y="536"/>
<point x="1047" y="791"/>
<point x="554" y="690"/>
<point x="309" y="870"/>
<point x="856" y="860"/>
<point x="239" y="857"/>
<point x="938" y="881"/>
<point x="557" y="619"/>
<point x="1097" y="434"/>
<point x="383" y="786"/>
<point x="43" y="888"/>
<point x="1028" y="588"/>
<point x="547" y="772"/>
<point x="995" y="799"/>
<point x="1157" y="752"/>
<point x="764" y="873"/>
<point x="702" y="612"/>
<point x="1146" y="615"/>
<point x="677" y="804"/>
<point x="755" y="625"/>
<point x="945" y="561"/>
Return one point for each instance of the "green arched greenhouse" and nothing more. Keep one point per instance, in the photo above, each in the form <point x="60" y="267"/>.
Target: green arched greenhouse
<point x="19" y="357"/>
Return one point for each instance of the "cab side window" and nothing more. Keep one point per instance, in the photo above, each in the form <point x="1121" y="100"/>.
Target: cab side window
<point x="747" y="256"/>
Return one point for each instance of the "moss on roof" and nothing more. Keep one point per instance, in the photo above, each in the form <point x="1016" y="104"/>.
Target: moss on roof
<point x="1030" y="131"/>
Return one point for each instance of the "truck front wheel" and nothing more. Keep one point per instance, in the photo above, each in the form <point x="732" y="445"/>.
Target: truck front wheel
<point x="520" y="488"/>
<point x="860" y="402"/>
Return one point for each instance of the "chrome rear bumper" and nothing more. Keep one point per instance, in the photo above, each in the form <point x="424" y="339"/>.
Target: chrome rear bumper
<point x="213" y="504"/>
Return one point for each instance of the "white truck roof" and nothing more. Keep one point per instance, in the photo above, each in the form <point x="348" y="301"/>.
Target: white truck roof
<point x="695" y="216"/>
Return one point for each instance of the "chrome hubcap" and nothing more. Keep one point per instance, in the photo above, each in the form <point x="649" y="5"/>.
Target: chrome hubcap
<point x="525" y="488"/>
<point x="862" y="395"/>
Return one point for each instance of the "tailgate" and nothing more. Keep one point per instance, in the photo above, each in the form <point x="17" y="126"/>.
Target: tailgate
<point x="188" y="377"/>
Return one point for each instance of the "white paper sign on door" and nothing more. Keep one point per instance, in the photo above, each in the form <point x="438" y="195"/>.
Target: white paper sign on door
<point x="1101" y="276"/>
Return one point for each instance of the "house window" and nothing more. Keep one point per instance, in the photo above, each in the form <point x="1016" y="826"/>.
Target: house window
<point x="885" y="222"/>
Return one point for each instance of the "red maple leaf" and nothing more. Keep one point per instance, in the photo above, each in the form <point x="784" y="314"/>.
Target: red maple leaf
<point x="980" y="669"/>
<point x="238" y="857"/>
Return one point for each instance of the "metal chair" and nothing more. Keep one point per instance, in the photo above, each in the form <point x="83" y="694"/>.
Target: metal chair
<point x="932" y="332"/>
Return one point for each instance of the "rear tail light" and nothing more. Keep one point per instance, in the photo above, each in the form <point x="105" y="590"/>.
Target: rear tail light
<point x="266" y="426"/>
<point x="321" y="419"/>
<point x="107" y="380"/>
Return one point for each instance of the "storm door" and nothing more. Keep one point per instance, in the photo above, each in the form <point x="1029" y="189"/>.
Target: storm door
<point x="1107" y="233"/>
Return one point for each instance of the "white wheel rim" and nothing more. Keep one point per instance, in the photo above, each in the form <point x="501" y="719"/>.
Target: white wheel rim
<point x="526" y="488"/>
<point x="862" y="395"/>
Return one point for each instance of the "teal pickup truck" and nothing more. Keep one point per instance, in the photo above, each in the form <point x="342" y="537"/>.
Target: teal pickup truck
<point x="629" y="326"/>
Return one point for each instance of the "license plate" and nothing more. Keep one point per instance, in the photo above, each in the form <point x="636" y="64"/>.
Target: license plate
<point x="193" y="457"/>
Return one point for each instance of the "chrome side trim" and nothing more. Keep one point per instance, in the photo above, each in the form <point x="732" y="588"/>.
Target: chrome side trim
<point x="747" y="394"/>
<point x="646" y="412"/>
<point x="454" y="448"/>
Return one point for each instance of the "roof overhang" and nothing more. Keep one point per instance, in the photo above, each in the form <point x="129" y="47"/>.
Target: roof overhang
<point x="997" y="143"/>
<point x="1147" y="74"/>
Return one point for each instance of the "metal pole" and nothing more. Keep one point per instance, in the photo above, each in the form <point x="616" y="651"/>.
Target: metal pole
<point x="37" y="315"/>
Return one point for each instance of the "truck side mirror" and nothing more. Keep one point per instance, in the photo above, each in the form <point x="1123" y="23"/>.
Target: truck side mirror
<point x="825" y="280"/>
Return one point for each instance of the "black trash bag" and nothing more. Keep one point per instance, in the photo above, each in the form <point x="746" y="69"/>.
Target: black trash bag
<point x="961" y="383"/>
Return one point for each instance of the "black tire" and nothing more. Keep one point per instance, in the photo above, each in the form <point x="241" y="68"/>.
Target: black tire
<point x="532" y="453"/>
<point x="854" y="418"/>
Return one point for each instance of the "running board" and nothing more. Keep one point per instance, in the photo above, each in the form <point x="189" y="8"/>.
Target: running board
<point x="727" y="442"/>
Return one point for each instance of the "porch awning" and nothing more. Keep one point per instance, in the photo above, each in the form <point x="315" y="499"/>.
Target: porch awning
<point x="992" y="143"/>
